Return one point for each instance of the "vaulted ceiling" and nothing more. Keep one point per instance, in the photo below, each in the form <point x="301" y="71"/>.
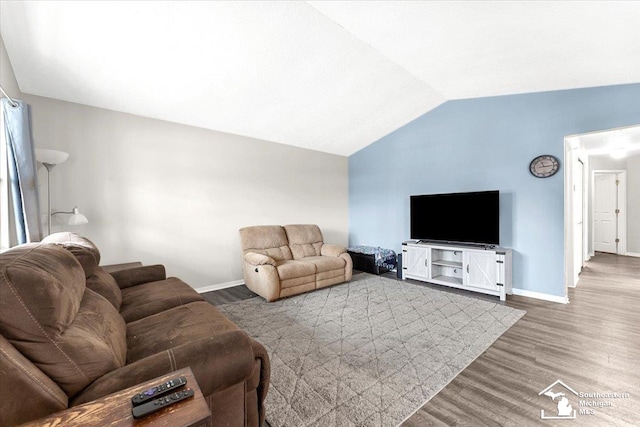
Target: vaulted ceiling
<point x="328" y="76"/>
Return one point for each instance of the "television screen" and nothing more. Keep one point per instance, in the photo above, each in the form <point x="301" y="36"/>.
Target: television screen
<point x="457" y="217"/>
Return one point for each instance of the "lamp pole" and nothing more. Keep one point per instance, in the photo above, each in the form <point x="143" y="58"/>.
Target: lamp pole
<point x="48" y="166"/>
<point x="50" y="158"/>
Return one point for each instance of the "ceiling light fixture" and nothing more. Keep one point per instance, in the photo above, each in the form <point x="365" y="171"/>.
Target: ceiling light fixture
<point x="619" y="145"/>
<point x="618" y="152"/>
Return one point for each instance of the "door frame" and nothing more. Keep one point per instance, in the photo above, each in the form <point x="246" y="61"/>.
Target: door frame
<point x="573" y="154"/>
<point x="621" y="199"/>
<point x="582" y="231"/>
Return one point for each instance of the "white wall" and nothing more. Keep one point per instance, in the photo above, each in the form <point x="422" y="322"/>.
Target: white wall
<point x="160" y="192"/>
<point x="633" y="205"/>
<point x="7" y="77"/>
<point x="632" y="166"/>
<point x="606" y="162"/>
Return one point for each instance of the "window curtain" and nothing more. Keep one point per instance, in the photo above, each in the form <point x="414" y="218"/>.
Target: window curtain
<point x="22" y="169"/>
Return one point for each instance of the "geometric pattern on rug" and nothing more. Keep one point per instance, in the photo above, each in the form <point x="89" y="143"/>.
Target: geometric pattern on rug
<point x="366" y="353"/>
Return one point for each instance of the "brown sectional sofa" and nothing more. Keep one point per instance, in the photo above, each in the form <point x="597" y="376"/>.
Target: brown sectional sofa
<point x="283" y="261"/>
<point x="70" y="333"/>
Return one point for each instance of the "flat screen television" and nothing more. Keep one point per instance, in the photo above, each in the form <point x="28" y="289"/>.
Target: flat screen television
<point x="457" y="217"/>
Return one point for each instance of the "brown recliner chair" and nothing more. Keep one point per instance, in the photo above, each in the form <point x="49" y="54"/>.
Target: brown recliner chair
<point x="284" y="261"/>
<point x="71" y="333"/>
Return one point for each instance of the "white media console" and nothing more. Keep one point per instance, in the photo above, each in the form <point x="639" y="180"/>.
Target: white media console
<point x="473" y="268"/>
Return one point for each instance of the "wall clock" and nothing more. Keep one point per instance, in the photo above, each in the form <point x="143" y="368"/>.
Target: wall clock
<point x="544" y="166"/>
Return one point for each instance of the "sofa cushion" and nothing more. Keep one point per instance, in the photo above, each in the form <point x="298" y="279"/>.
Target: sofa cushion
<point x="304" y="240"/>
<point x="104" y="284"/>
<point x="269" y="240"/>
<point x="81" y="247"/>
<point x="294" y="269"/>
<point x="96" y="341"/>
<point x="154" y="297"/>
<point x="326" y="263"/>
<point x="71" y="333"/>
<point x="187" y="323"/>
<point x="41" y="285"/>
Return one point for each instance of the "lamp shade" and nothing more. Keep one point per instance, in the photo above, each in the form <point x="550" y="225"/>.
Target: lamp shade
<point x="77" y="218"/>
<point x="50" y="157"/>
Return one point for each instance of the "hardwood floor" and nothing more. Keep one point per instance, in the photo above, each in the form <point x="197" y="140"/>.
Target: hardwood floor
<point x="591" y="344"/>
<point x="224" y="296"/>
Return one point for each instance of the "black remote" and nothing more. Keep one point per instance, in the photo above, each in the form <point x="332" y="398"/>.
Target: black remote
<point x="162" y="402"/>
<point x="157" y="391"/>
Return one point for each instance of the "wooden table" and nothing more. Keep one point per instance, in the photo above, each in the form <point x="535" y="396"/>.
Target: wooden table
<point x="115" y="409"/>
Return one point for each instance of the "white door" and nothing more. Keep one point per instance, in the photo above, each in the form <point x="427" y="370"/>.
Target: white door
<point x="480" y="270"/>
<point x="604" y="212"/>
<point x="578" y="220"/>
<point x="414" y="262"/>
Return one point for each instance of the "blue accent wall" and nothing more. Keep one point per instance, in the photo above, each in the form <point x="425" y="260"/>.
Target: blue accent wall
<point x="486" y="144"/>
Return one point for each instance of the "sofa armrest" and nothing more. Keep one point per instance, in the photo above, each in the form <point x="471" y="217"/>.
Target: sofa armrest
<point x="217" y="362"/>
<point x="328" y="249"/>
<point x="264" y="376"/>
<point x="139" y="275"/>
<point x="111" y="268"/>
<point x="254" y="258"/>
<point x="27" y="393"/>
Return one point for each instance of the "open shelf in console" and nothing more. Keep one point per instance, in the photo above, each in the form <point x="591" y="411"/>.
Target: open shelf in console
<point x="448" y="279"/>
<point x="446" y="257"/>
<point x="446" y="265"/>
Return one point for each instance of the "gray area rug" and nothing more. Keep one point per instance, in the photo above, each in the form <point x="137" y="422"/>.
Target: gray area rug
<point x="366" y="353"/>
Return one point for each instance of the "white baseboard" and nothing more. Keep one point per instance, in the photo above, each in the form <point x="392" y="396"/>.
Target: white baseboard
<point x="540" y="295"/>
<point x="219" y="286"/>
<point x="635" y="254"/>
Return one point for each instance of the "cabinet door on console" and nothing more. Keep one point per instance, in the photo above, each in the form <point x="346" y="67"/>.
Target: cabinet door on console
<point x="415" y="261"/>
<point x="480" y="270"/>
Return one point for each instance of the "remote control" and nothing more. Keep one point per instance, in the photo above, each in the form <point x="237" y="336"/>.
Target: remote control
<point x="162" y="402"/>
<point x="157" y="391"/>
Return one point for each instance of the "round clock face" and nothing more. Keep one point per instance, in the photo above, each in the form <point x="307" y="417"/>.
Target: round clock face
<point x="544" y="166"/>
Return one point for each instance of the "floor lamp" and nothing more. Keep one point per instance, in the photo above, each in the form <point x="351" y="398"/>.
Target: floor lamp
<point x="49" y="159"/>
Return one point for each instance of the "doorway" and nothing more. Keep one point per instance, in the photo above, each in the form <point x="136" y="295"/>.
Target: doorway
<point x="609" y="159"/>
<point x="609" y="211"/>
